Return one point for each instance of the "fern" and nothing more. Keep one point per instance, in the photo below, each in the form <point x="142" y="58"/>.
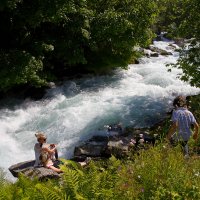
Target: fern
<point x="49" y="193"/>
<point x="91" y="190"/>
<point x="2" y="177"/>
<point x="100" y="179"/>
<point x="3" y="196"/>
<point x="71" y="179"/>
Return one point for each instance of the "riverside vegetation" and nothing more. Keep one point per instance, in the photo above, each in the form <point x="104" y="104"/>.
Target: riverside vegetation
<point x="161" y="172"/>
<point x="42" y="41"/>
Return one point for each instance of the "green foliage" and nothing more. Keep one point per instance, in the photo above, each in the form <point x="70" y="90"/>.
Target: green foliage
<point x="190" y="25"/>
<point x="117" y="28"/>
<point x="39" y="37"/>
<point x="156" y="174"/>
<point x="19" y="67"/>
<point x="71" y="179"/>
<point x="181" y="19"/>
<point x="170" y="16"/>
<point x="189" y="63"/>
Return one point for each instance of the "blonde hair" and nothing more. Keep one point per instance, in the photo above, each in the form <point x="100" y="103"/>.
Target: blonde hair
<point x="40" y="135"/>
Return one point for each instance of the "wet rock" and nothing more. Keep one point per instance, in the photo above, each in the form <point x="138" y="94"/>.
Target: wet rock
<point x="159" y="51"/>
<point x="118" y="148"/>
<point x="118" y="142"/>
<point x="89" y="150"/>
<point x="154" y="54"/>
<point x="95" y="147"/>
<point x="117" y="145"/>
<point x="165" y="53"/>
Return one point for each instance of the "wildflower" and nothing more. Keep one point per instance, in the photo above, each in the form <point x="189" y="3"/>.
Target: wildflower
<point x="125" y="185"/>
<point x="139" y="176"/>
<point x="141" y="135"/>
<point x="197" y="174"/>
<point x="133" y="141"/>
<point x="141" y="141"/>
<point x="155" y="135"/>
<point x="119" y="168"/>
<point x="142" y="189"/>
<point x="131" y="144"/>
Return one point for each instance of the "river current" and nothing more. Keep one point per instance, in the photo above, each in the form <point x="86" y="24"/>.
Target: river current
<point x="73" y="112"/>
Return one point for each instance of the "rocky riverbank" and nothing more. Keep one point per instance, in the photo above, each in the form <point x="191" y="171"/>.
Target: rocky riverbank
<point x="120" y="142"/>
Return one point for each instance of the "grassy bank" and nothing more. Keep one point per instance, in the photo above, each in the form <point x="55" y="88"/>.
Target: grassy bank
<point x="159" y="173"/>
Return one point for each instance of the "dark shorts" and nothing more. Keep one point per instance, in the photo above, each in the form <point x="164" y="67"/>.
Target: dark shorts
<point x="56" y="163"/>
<point x="175" y="143"/>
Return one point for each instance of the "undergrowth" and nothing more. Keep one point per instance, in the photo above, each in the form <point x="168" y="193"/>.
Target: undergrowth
<point x="161" y="172"/>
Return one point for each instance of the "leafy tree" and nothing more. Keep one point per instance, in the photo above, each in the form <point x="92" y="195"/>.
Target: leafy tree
<point x="43" y="39"/>
<point x="189" y="27"/>
<point x="169" y="17"/>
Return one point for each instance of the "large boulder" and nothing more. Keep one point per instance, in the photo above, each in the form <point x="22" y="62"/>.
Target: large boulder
<point x="94" y="147"/>
<point x="159" y="51"/>
<point x="27" y="169"/>
<point x="119" y="148"/>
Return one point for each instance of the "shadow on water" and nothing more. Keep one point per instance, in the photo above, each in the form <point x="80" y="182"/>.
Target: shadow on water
<point x="69" y="89"/>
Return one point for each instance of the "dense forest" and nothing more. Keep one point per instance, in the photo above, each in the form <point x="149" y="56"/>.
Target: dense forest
<point x="43" y="40"/>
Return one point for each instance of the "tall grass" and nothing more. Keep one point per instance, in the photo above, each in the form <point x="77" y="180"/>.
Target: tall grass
<point x="163" y="173"/>
<point x="159" y="173"/>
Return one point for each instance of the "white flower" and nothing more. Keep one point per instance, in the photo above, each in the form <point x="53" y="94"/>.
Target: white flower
<point x="197" y="174"/>
<point x="141" y="135"/>
<point x="133" y="141"/>
<point x="131" y="144"/>
<point x="141" y="141"/>
<point x="155" y="135"/>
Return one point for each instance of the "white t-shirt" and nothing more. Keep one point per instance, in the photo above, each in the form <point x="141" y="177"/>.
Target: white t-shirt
<point x="37" y="149"/>
<point x="184" y="118"/>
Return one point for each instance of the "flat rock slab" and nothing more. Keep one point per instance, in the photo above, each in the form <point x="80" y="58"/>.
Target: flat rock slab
<point x="27" y="169"/>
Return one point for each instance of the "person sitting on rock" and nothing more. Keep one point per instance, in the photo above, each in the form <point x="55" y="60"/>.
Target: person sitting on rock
<point x="45" y="154"/>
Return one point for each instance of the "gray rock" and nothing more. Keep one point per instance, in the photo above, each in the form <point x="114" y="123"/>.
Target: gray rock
<point x="154" y="54"/>
<point x="93" y="149"/>
<point x="165" y="53"/>
<point x="26" y="168"/>
<point x="118" y="148"/>
<point x="159" y="51"/>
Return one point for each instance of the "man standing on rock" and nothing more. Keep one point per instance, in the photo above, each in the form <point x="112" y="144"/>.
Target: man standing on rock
<point x="182" y="119"/>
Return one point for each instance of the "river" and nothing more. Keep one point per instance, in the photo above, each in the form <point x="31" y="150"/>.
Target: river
<point x="73" y="112"/>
